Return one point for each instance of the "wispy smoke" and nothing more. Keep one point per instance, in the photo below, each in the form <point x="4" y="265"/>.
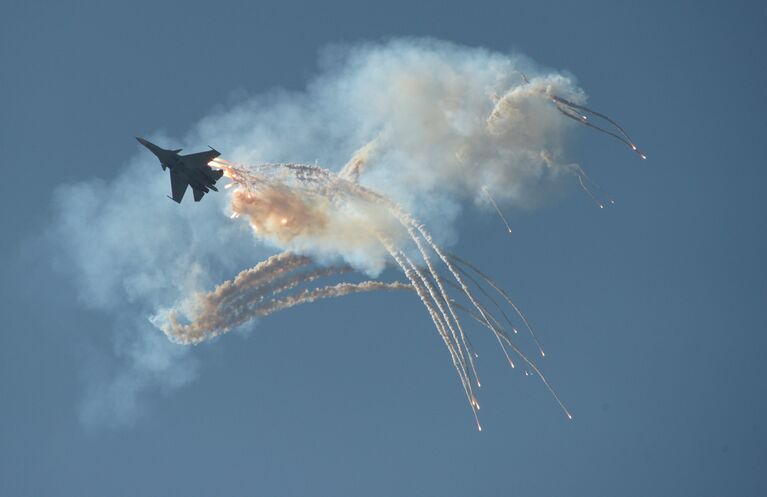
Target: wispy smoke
<point x="129" y="252"/>
<point x="143" y="361"/>
<point x="428" y="124"/>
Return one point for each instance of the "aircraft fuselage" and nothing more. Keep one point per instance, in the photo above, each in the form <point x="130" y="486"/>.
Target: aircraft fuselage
<point x="192" y="170"/>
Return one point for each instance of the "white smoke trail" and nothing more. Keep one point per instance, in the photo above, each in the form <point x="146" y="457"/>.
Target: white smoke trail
<point x="337" y="290"/>
<point x="204" y="329"/>
<point x="503" y="293"/>
<point x="217" y="312"/>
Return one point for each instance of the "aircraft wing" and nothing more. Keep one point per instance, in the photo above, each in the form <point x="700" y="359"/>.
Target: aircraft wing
<point x="178" y="184"/>
<point x="200" y="159"/>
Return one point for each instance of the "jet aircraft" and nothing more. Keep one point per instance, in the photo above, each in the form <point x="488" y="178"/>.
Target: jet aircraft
<point x="186" y="170"/>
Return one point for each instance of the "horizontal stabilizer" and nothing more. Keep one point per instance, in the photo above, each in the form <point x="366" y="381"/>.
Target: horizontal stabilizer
<point x="178" y="185"/>
<point x="197" y="194"/>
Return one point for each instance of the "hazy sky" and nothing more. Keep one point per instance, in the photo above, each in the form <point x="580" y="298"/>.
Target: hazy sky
<point x="652" y="311"/>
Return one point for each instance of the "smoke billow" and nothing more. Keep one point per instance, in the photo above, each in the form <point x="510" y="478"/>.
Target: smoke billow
<point x="428" y="122"/>
<point x="412" y="128"/>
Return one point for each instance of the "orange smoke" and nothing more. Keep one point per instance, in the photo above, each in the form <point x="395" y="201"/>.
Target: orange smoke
<point x="280" y="212"/>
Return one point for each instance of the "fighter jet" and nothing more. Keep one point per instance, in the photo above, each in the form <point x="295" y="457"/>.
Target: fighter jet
<point x="185" y="170"/>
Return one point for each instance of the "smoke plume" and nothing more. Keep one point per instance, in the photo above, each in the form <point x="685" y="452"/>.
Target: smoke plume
<point x="427" y="125"/>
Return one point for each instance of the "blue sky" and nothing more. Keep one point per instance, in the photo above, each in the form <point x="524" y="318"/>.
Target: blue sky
<point x="651" y="311"/>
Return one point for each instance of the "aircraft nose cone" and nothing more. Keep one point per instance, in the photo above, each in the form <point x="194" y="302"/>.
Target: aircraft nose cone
<point x="142" y="141"/>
